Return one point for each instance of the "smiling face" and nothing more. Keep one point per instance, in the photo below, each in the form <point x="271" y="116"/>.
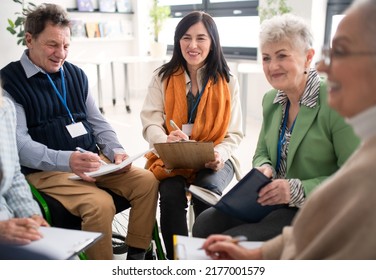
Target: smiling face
<point x="50" y="48"/>
<point x="195" y="46"/>
<point x="284" y="66"/>
<point x="351" y="78"/>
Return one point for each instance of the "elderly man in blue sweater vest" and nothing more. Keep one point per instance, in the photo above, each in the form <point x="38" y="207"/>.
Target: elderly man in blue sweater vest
<point x="56" y="114"/>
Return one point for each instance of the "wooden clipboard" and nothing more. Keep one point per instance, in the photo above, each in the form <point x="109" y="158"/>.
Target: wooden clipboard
<point x="185" y="154"/>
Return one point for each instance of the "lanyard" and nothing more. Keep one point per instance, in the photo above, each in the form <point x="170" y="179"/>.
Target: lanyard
<point x="63" y="98"/>
<point x="282" y="136"/>
<point x="197" y="101"/>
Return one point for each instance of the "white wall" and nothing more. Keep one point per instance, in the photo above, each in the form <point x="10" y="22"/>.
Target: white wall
<point x="139" y="73"/>
<point x="313" y="11"/>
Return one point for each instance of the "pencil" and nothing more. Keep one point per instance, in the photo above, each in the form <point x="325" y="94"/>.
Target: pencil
<point x="84" y="151"/>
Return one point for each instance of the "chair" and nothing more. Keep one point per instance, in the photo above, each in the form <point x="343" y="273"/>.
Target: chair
<point x="57" y="215"/>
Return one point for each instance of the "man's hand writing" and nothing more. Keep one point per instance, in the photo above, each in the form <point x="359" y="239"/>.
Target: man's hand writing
<point x="84" y="162"/>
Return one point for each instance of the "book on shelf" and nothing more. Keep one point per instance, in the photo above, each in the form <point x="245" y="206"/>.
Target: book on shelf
<point x="78" y="28"/>
<point x="241" y="200"/>
<point x="111" y="29"/>
<point x="85" y="5"/>
<point x="185" y="154"/>
<point x="107" y="6"/>
<point x="92" y="29"/>
<point x="124" y="6"/>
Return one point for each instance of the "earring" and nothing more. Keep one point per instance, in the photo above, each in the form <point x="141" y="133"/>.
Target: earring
<point x="305" y="71"/>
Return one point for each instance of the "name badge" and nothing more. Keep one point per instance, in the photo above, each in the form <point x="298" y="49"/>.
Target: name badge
<point x="76" y="129"/>
<point x="187" y="129"/>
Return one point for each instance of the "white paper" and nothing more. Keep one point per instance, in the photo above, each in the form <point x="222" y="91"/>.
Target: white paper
<point x="112" y="167"/>
<point x="189" y="248"/>
<point x="62" y="244"/>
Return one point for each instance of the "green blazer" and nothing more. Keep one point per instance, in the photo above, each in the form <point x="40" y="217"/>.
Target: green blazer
<point x="320" y="142"/>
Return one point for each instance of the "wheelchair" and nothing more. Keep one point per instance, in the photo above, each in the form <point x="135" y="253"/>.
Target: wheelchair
<point x="57" y="215"/>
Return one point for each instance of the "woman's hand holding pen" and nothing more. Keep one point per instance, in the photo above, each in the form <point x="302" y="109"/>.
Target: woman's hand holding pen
<point x="176" y="134"/>
<point x="225" y="247"/>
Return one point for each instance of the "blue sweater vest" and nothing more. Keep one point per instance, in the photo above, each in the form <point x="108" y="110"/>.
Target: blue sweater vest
<point x="46" y="115"/>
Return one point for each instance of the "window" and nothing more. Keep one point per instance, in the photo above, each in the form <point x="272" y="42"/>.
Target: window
<point x="334" y="14"/>
<point x="237" y="22"/>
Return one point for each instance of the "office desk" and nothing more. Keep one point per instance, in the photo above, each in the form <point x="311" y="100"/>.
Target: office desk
<point x="126" y="60"/>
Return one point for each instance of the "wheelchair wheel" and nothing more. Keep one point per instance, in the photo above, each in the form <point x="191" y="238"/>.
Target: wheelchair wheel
<point x="119" y="232"/>
<point x="119" y="246"/>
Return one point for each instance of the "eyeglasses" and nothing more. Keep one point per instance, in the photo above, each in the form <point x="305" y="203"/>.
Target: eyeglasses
<point x="328" y="54"/>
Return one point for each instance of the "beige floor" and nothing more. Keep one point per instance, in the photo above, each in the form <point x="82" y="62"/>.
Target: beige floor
<point x="129" y="130"/>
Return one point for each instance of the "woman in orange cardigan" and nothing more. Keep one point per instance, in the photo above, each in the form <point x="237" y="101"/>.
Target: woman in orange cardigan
<point x="196" y="90"/>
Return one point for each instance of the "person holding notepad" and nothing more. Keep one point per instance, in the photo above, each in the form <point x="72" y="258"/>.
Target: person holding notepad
<point x="56" y="114"/>
<point x="302" y="140"/>
<point x="20" y="216"/>
<point x="195" y="90"/>
<point x="338" y="220"/>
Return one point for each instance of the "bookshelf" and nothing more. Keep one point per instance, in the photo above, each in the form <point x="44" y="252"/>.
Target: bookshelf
<point x="97" y="25"/>
<point x="75" y="10"/>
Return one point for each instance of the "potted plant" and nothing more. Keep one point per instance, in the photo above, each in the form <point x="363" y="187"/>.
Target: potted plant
<point x="158" y="15"/>
<point x="268" y="9"/>
<point x="273" y="8"/>
<point x="16" y="27"/>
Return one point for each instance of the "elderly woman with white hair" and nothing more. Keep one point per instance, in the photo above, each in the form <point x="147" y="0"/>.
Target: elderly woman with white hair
<point x="338" y="221"/>
<point x="302" y="140"/>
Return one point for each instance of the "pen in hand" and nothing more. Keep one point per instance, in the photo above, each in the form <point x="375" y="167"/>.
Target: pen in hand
<point x="234" y="240"/>
<point x="174" y="125"/>
<point x="84" y="151"/>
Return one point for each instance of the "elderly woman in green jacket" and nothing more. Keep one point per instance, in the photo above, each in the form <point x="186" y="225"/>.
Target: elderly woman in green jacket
<point x="302" y="140"/>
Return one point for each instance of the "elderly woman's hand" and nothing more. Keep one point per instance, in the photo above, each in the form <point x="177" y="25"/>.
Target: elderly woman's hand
<point x="276" y="192"/>
<point x="266" y="170"/>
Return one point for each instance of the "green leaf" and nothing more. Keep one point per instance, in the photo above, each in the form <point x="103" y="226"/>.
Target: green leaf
<point x="21" y="42"/>
<point x="11" y="23"/>
<point x="19" y="21"/>
<point x="11" y="30"/>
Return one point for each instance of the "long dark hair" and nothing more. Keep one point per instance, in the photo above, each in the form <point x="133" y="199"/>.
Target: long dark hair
<point x="216" y="64"/>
